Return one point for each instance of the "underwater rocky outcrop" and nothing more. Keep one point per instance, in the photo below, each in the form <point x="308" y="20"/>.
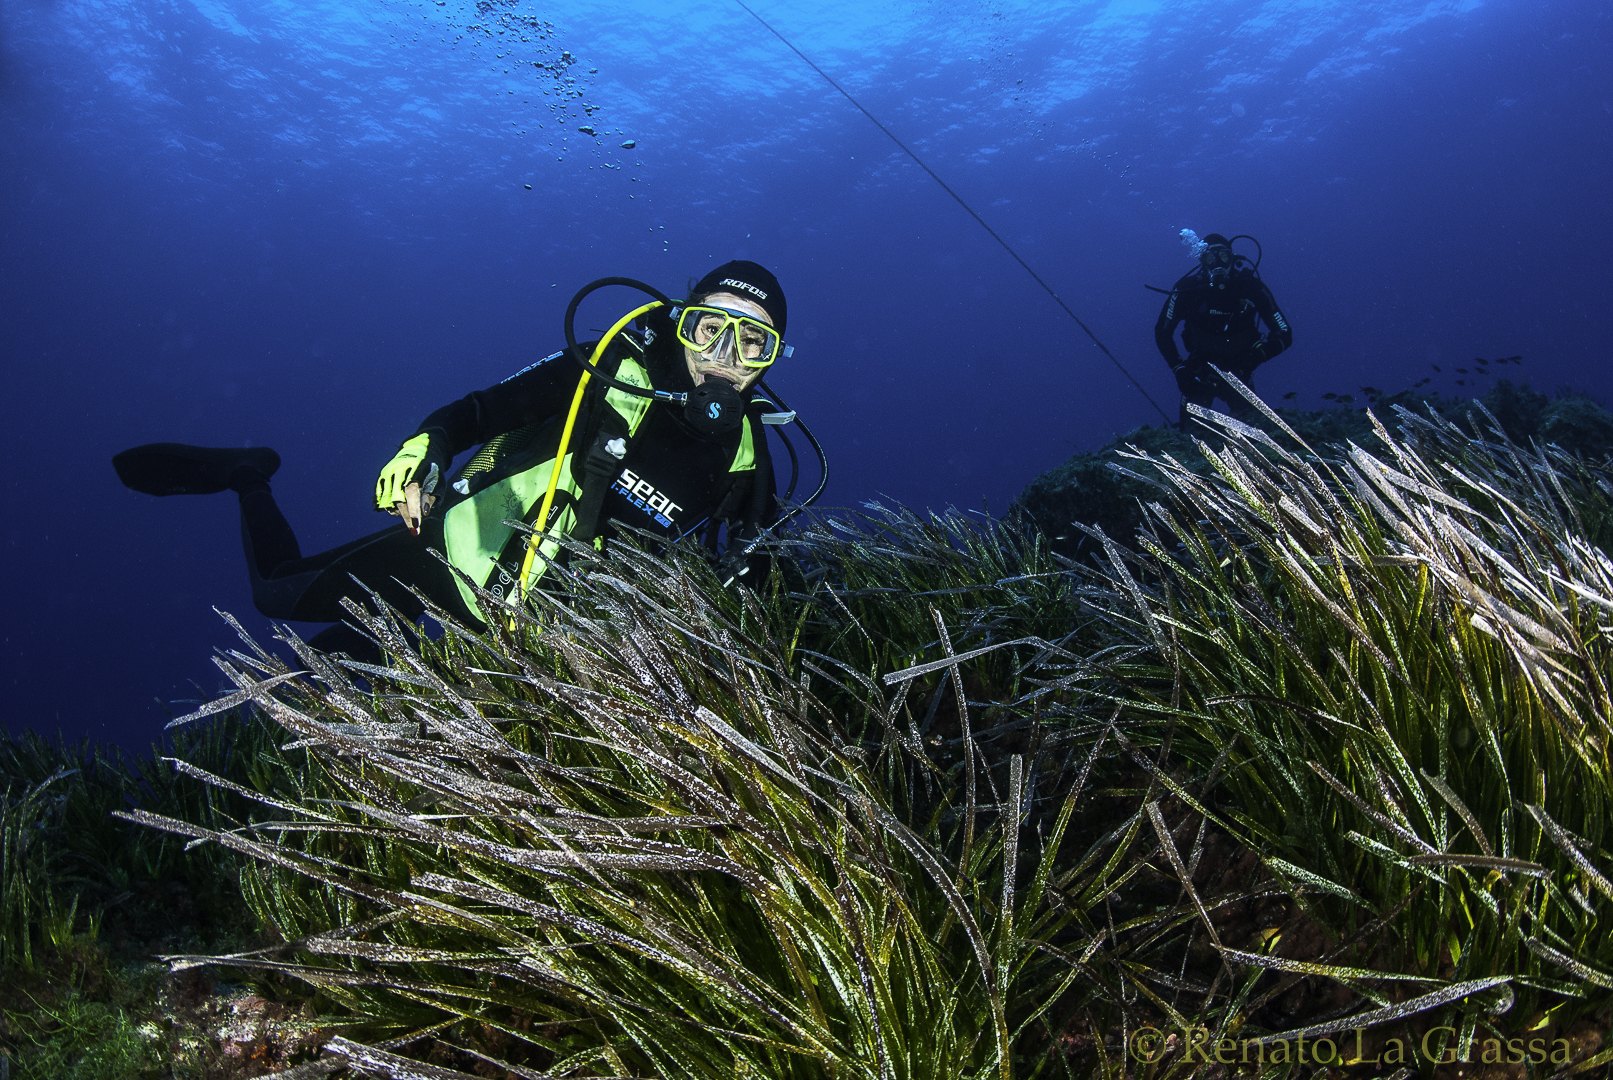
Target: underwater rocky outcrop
<point x="1088" y="488"/>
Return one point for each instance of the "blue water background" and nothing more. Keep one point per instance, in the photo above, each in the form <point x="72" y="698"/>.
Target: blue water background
<point x="305" y="225"/>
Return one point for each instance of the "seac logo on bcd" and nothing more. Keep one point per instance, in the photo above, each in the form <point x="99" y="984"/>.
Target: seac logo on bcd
<point x="644" y="494"/>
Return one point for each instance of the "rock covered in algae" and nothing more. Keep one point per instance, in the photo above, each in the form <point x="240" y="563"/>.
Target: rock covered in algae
<point x="1087" y="489"/>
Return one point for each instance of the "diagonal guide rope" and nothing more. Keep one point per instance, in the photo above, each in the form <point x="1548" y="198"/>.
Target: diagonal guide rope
<point x="920" y="162"/>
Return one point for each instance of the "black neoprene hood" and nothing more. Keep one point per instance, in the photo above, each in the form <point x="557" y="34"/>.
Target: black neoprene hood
<point x="750" y="280"/>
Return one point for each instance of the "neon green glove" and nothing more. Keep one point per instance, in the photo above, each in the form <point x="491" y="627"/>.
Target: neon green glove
<point x="404" y="469"/>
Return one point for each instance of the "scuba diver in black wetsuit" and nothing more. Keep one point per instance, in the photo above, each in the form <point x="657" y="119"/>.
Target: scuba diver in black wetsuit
<point x="1222" y="303"/>
<point x="667" y="438"/>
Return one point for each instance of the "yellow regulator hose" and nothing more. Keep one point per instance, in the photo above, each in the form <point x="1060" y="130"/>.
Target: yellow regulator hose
<point x="541" y="522"/>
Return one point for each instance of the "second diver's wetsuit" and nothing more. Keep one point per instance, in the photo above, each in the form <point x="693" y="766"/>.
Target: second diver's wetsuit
<point x="1222" y="328"/>
<point x="672" y="481"/>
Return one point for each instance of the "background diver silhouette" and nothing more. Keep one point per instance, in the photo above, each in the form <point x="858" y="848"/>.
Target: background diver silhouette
<point x="675" y="478"/>
<point x="1220" y="306"/>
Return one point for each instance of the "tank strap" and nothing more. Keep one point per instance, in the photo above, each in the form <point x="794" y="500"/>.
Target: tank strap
<point x="614" y="417"/>
<point x="601" y="466"/>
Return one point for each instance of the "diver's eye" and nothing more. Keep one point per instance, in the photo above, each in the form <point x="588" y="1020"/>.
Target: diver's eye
<point x="707" y="329"/>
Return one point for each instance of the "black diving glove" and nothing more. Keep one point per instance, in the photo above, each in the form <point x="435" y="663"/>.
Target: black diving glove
<point x="736" y="566"/>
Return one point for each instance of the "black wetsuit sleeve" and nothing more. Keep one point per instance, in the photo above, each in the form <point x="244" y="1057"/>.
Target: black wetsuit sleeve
<point x="1280" y="335"/>
<point x="537" y="393"/>
<point x="1170" y="316"/>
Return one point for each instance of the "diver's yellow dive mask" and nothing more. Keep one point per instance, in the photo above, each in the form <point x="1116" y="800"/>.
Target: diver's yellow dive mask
<point x="704" y="328"/>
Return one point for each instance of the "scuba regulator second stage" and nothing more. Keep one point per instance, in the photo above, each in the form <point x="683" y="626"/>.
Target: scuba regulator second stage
<point x="714" y="407"/>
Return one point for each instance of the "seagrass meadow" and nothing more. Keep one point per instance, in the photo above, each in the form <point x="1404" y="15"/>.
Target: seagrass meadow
<point x="1307" y="774"/>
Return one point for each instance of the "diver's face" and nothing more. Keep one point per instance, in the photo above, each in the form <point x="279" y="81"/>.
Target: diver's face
<point x="721" y="359"/>
<point x="1218" y="262"/>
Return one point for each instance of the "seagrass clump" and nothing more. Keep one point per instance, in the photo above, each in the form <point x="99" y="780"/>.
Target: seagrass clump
<point x="1399" y="663"/>
<point x="628" y="836"/>
<point x="1324" y="750"/>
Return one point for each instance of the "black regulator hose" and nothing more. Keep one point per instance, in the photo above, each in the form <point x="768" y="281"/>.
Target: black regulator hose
<point x="823" y="461"/>
<point x="1259" y="251"/>
<point x="581" y="357"/>
<point x="795" y="467"/>
<point x="823" y="480"/>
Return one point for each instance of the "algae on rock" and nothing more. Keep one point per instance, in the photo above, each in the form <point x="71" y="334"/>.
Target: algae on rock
<point x="1089" y="489"/>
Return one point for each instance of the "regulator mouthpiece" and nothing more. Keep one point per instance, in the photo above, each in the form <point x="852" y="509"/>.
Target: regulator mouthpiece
<point x="714" y="407"/>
